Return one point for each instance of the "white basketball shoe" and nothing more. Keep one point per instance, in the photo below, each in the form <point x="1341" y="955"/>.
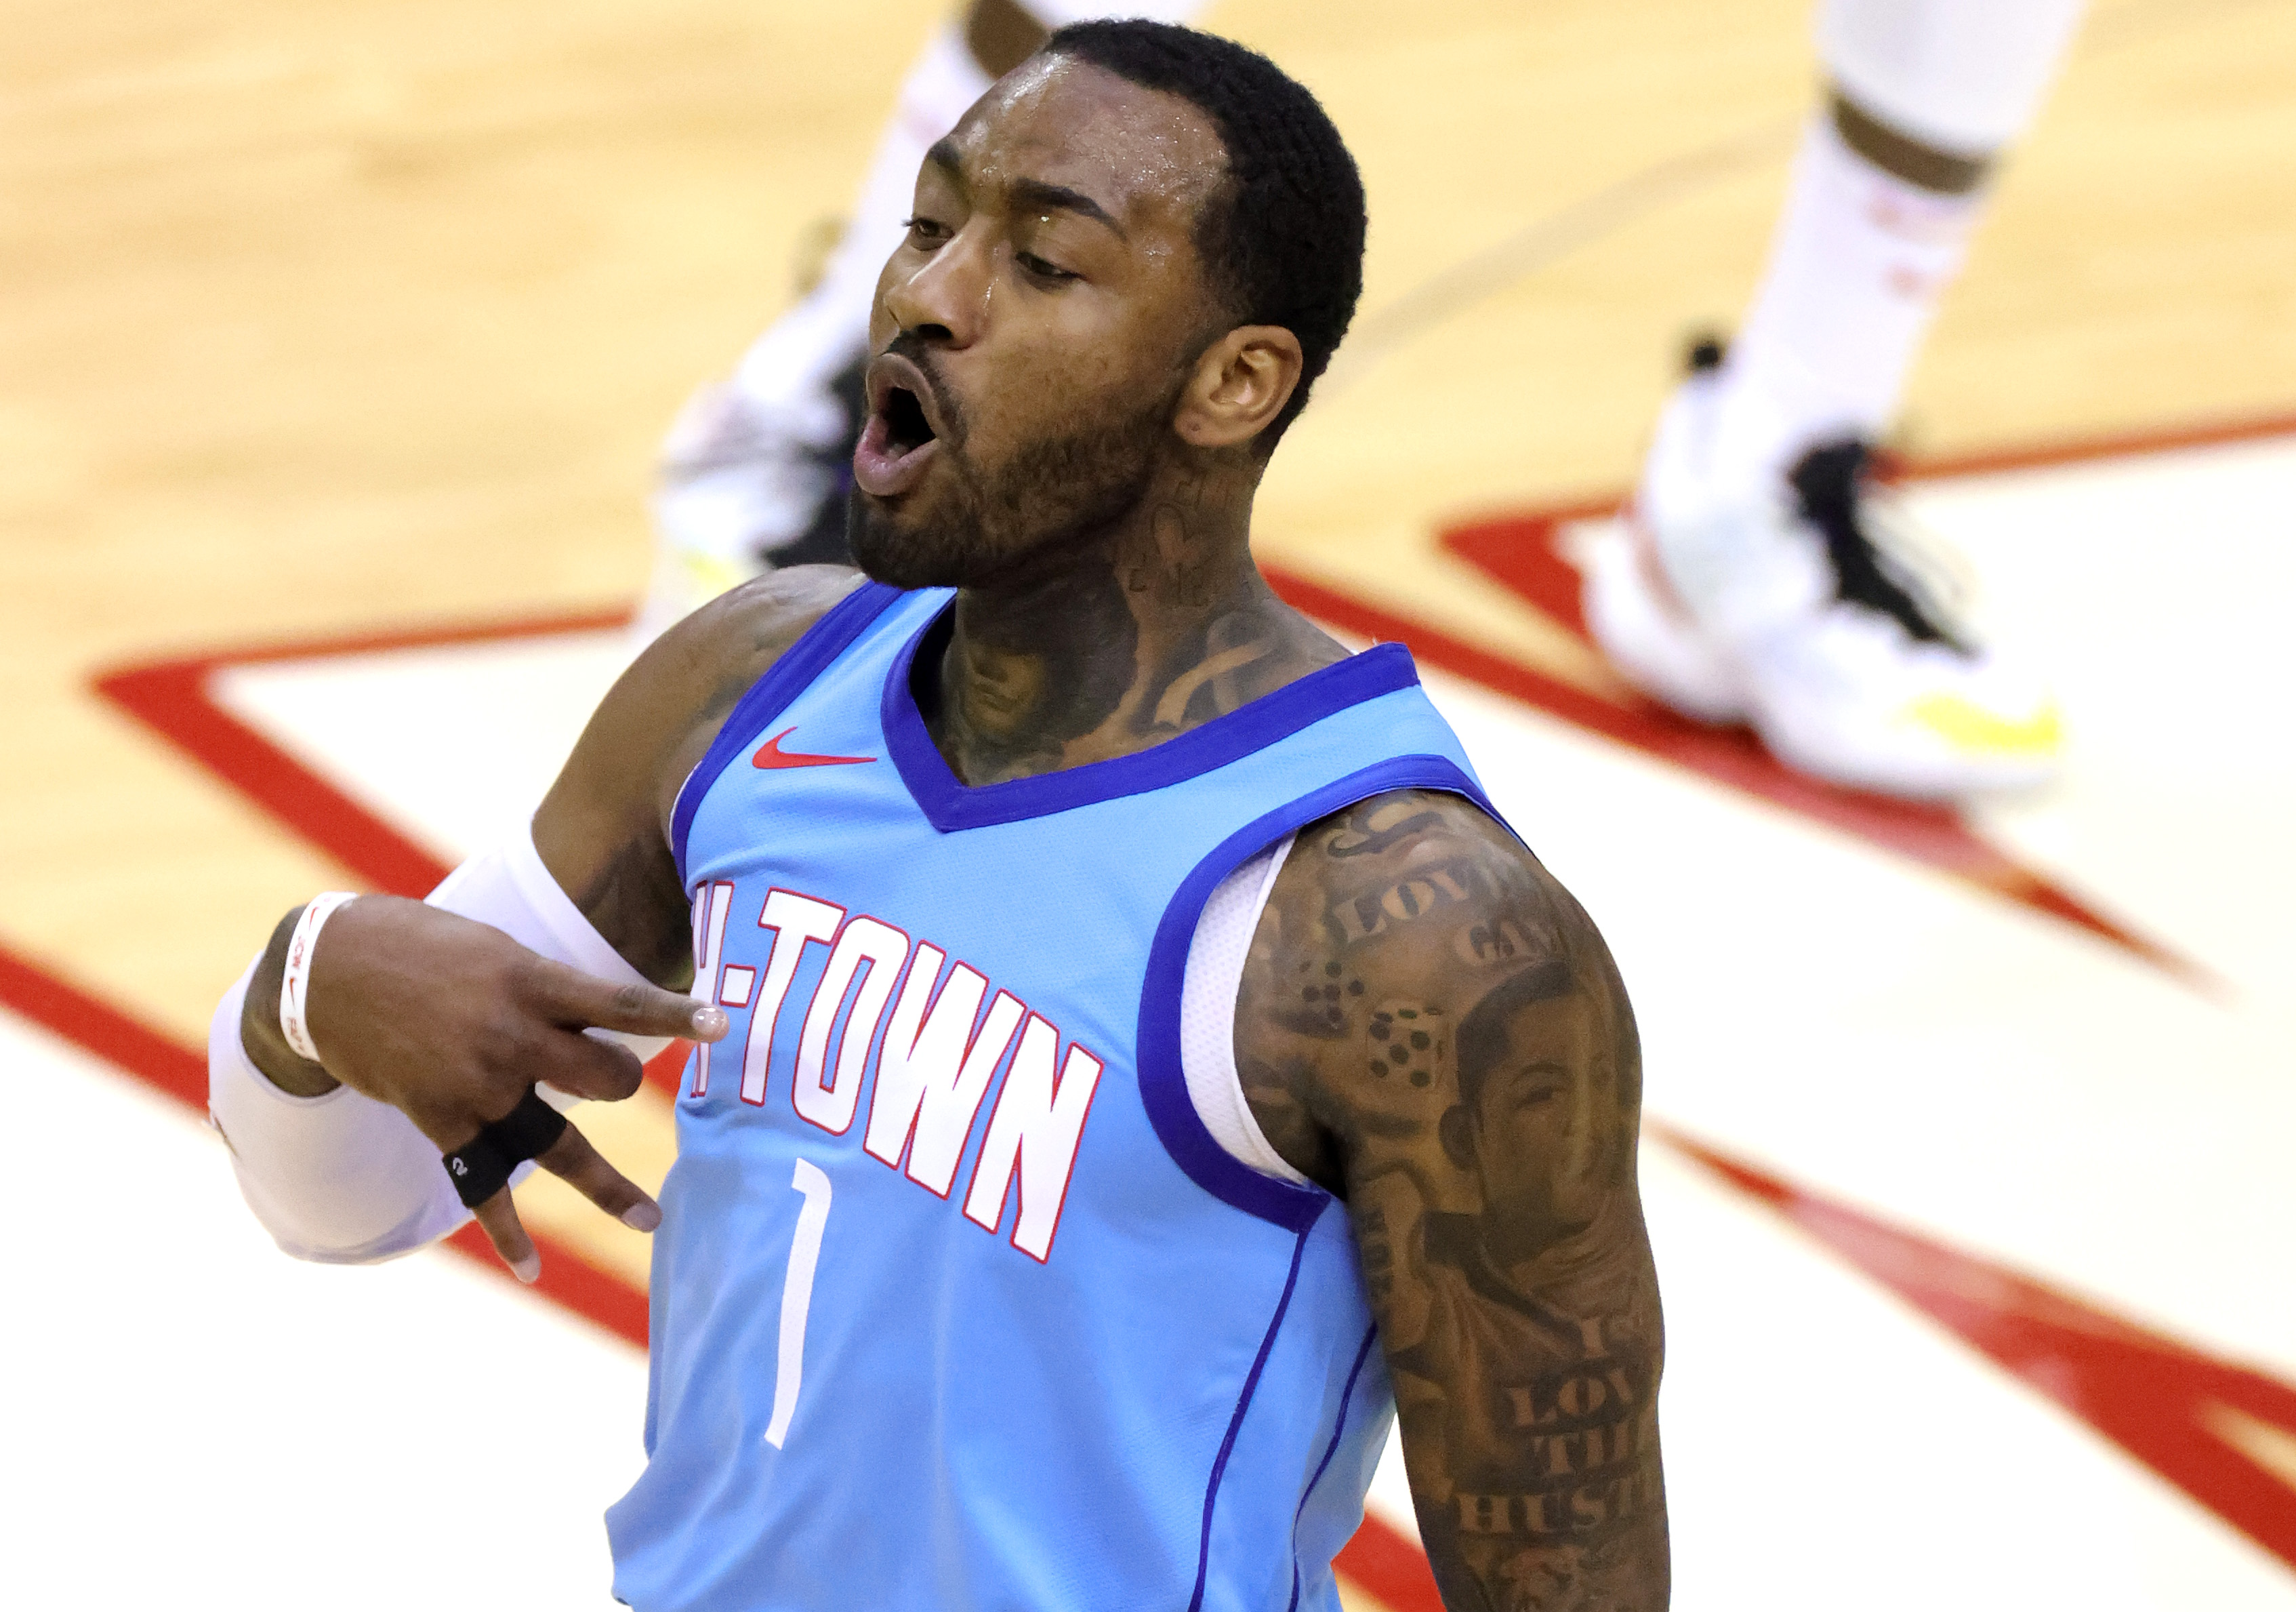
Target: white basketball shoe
<point x="1767" y="600"/>
<point x="744" y="488"/>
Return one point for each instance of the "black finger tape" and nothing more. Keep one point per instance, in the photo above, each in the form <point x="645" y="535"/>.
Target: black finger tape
<point x="478" y="1170"/>
<point x="480" y="1167"/>
<point x="527" y="1130"/>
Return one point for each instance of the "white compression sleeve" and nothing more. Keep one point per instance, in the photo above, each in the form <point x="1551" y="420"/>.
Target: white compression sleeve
<point x="509" y="888"/>
<point x="342" y="1179"/>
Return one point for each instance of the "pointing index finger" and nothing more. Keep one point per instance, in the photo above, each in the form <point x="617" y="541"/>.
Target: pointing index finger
<point x="633" y="1008"/>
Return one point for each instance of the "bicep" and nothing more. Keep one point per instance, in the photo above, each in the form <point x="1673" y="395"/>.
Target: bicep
<point x="1527" y="1393"/>
<point x="602" y="829"/>
<point x="1480" y="1096"/>
<point x="1519" y="1305"/>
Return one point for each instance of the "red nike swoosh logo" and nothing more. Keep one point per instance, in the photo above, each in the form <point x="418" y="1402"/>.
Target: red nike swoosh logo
<point x="771" y="754"/>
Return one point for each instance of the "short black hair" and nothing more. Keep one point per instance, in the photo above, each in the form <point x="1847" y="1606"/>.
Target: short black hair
<point x="1482" y="1044"/>
<point x="1284" y="235"/>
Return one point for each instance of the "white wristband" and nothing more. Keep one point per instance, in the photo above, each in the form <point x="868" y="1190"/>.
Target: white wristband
<point x="295" y="982"/>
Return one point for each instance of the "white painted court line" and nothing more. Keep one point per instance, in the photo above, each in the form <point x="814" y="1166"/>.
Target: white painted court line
<point x="454" y="745"/>
<point x="194" y="1420"/>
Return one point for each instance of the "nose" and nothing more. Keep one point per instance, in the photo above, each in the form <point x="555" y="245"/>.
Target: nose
<point x="945" y="299"/>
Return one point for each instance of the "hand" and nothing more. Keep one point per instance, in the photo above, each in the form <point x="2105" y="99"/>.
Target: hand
<point x="453" y="1023"/>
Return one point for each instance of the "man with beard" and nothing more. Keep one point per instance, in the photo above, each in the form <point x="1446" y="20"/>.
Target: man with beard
<point x="1071" y="930"/>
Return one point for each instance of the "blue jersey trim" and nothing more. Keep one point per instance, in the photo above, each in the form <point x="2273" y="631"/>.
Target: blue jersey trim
<point x="766" y="698"/>
<point x="1339" y="1427"/>
<point x="1243" y="1403"/>
<point x="950" y="804"/>
<point x="1163" y="1087"/>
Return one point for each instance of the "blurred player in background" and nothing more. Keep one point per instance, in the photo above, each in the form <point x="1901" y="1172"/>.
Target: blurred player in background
<point x="1749" y="585"/>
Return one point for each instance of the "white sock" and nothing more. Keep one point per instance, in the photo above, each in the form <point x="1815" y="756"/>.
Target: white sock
<point x="786" y="372"/>
<point x="1856" y="267"/>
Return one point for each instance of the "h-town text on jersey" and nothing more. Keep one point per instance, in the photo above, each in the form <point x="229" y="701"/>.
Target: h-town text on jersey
<point x="928" y="1075"/>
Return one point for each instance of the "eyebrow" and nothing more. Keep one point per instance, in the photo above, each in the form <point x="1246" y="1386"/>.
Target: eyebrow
<point x="1037" y="194"/>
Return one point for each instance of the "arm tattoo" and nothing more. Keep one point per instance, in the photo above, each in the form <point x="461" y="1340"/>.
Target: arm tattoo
<point x="624" y="901"/>
<point x="1430" y="1027"/>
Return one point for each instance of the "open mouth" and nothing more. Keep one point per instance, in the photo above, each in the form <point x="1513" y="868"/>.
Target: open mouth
<point x="899" y="444"/>
<point x="905" y="425"/>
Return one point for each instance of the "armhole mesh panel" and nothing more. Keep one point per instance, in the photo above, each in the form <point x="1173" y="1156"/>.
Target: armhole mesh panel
<point x="1208" y="993"/>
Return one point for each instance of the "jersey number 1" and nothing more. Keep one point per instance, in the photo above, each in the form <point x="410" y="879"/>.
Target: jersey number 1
<point x="796" y="1296"/>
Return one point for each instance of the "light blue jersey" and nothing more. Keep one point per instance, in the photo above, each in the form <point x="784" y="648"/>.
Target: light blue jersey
<point x="956" y="1303"/>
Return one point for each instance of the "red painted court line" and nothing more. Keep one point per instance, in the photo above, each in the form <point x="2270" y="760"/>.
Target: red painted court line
<point x="171" y="697"/>
<point x="1390" y="1566"/>
<point x="2162" y="1401"/>
<point x="94" y="1025"/>
<point x="2040" y="455"/>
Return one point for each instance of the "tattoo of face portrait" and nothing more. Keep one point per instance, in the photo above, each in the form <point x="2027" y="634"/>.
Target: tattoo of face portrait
<point x="1551" y="1433"/>
<point x="1441" y="1028"/>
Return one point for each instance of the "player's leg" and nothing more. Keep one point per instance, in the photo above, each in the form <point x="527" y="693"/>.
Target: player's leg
<point x="755" y="470"/>
<point x="1760" y="594"/>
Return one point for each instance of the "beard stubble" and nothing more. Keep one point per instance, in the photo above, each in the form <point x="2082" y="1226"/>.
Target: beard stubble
<point x="1051" y="493"/>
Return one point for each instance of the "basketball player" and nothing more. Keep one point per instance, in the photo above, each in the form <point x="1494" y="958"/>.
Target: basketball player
<point x="1752" y="587"/>
<point x="1134" y="1056"/>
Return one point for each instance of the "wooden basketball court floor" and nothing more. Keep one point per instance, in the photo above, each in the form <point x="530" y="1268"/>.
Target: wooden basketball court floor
<point x="335" y="342"/>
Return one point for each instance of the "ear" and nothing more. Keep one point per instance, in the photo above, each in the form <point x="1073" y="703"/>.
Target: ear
<point x="1242" y="383"/>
